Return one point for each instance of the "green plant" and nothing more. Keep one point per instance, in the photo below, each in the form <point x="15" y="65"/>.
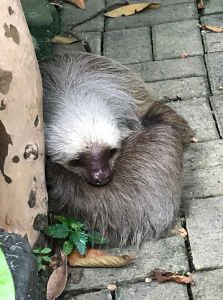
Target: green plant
<point x="7" y="289"/>
<point x="41" y="256"/>
<point x="77" y="234"/>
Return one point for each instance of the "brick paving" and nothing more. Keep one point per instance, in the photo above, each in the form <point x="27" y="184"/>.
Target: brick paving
<point x="151" y="43"/>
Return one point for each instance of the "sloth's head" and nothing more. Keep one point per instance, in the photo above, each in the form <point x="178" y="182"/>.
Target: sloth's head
<point x="85" y="136"/>
<point x="89" y="151"/>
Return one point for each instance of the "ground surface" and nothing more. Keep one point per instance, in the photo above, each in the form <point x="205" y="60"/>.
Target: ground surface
<point x="151" y="43"/>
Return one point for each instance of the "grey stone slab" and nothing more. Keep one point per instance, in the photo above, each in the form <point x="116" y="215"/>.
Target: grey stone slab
<point x="204" y="224"/>
<point x="215" y="67"/>
<point x="186" y="88"/>
<point x="204" y="155"/>
<point x="129" y="45"/>
<point x="217" y="106"/>
<point x="213" y="41"/>
<point x="163" y="2"/>
<point x="170" y="69"/>
<point x="72" y="14"/>
<point x="166" y="253"/>
<point x="152" y="291"/>
<point x="101" y="295"/>
<point x="208" y="285"/>
<point x="213" y="7"/>
<point x="163" y="14"/>
<point x="173" y="39"/>
<point x="213" y="20"/>
<point x="93" y="38"/>
<point x="203" y="183"/>
<point x="199" y="116"/>
<point x="22" y="264"/>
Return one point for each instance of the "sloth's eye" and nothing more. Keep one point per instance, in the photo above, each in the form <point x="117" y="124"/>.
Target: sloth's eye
<point x="113" y="152"/>
<point x="75" y="163"/>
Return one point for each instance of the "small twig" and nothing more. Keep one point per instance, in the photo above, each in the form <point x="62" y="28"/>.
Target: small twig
<point x="83" y="41"/>
<point x="103" y="10"/>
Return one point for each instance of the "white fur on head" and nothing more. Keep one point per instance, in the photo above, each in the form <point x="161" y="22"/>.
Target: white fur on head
<point x="74" y="129"/>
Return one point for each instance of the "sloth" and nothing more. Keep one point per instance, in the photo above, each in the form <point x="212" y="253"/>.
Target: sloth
<point x="114" y="156"/>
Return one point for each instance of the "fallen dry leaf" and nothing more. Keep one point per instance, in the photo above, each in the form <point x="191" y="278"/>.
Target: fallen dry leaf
<point x="74" y="256"/>
<point x="200" y="5"/>
<point x="58" y="279"/>
<point x="63" y="40"/>
<point x="162" y="276"/>
<point x="183" y="232"/>
<point x="184" y="55"/>
<point x="106" y="261"/>
<point x="131" y="9"/>
<point x="213" y="28"/>
<point x="111" y="287"/>
<point x="194" y="140"/>
<point x="78" y="3"/>
<point x="53" y="263"/>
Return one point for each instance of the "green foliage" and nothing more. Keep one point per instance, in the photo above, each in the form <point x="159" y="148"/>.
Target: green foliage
<point x="7" y="289"/>
<point x="77" y="234"/>
<point x="42" y="257"/>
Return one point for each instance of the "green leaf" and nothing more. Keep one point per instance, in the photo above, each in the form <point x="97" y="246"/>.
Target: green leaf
<point x="46" y="250"/>
<point x="38" y="250"/>
<point x="41" y="267"/>
<point x="75" y="224"/>
<point x="58" y="231"/>
<point x="79" y="239"/>
<point x="68" y="247"/>
<point x="7" y="289"/>
<point x="63" y="220"/>
<point x="39" y="259"/>
<point x="47" y="258"/>
<point x="96" y="238"/>
<point x="85" y="227"/>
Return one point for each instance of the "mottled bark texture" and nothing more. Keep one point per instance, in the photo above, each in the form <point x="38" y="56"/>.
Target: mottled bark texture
<point x="23" y="194"/>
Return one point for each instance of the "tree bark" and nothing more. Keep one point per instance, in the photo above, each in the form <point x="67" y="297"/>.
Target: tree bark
<point x="23" y="196"/>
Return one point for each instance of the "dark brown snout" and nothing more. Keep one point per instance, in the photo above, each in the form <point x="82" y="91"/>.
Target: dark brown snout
<point x="97" y="168"/>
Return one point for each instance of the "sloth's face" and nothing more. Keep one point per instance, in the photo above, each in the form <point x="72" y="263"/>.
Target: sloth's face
<point x="95" y="165"/>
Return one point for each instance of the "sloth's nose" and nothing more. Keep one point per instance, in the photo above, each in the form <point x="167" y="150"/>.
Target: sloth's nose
<point x="100" y="177"/>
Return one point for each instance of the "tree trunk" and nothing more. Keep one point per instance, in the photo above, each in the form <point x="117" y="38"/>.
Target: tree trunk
<point x="23" y="196"/>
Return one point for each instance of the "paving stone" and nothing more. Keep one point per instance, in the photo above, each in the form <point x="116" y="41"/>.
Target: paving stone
<point x="93" y="38"/>
<point x="215" y="67"/>
<point x="129" y="45"/>
<point x="212" y="7"/>
<point x="163" y="14"/>
<point x="23" y="265"/>
<point x="152" y="291"/>
<point x="43" y="22"/>
<point x="173" y="39"/>
<point x="212" y="40"/>
<point x="204" y="224"/>
<point x="100" y="295"/>
<point x="208" y="285"/>
<point x="204" y="155"/>
<point x="72" y="14"/>
<point x="166" y="253"/>
<point x="199" y="116"/>
<point x="203" y="183"/>
<point x="170" y="69"/>
<point x="217" y="106"/>
<point x="163" y="2"/>
<point x="186" y="88"/>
